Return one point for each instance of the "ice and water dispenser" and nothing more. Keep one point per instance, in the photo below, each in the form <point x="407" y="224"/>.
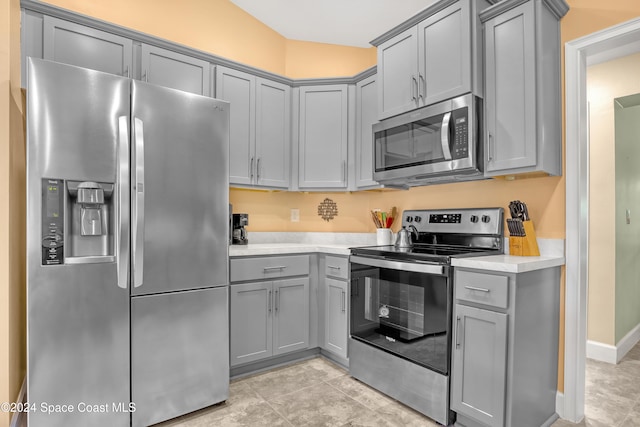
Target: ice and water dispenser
<point x="77" y="221"/>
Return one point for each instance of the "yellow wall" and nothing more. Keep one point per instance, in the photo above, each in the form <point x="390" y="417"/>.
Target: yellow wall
<point x="218" y="27"/>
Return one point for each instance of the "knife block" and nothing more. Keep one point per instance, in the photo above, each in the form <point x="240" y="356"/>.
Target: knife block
<point x="526" y="245"/>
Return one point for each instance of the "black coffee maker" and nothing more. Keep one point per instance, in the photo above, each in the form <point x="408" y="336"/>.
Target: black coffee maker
<point x="238" y="233"/>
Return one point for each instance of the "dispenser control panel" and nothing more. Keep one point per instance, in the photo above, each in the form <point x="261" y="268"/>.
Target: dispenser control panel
<point x="52" y="221"/>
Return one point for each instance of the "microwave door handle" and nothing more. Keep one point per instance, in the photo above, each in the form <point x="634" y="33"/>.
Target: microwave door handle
<point x="444" y="136"/>
<point x="138" y="204"/>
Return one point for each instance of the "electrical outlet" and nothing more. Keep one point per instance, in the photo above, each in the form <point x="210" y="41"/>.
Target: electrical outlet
<point x="295" y="215"/>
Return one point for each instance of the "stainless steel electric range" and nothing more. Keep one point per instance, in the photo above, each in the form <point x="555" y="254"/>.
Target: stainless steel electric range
<point x="401" y="304"/>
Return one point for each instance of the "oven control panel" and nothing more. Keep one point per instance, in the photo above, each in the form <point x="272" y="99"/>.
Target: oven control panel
<point x="472" y="221"/>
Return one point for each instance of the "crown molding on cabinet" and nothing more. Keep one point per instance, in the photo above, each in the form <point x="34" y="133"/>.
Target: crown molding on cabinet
<point x="136" y="36"/>
<point x="414" y="20"/>
<point x="558" y="7"/>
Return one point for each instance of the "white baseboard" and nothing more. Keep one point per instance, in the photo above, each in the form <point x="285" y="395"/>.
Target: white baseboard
<point x="560" y="404"/>
<point x="613" y="354"/>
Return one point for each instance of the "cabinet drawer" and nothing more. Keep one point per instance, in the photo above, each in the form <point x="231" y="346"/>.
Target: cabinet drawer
<point x="336" y="267"/>
<point x="487" y="289"/>
<point x="268" y="267"/>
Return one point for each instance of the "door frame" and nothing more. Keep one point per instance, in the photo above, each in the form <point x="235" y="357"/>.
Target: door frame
<point x="601" y="46"/>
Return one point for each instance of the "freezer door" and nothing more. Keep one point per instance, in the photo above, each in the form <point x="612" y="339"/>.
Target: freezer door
<point x="180" y="190"/>
<point x="179" y="353"/>
<point x="77" y="306"/>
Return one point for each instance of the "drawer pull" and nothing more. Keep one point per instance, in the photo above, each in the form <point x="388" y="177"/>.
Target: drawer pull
<point x="333" y="267"/>
<point x="473" y="288"/>
<point x="279" y="267"/>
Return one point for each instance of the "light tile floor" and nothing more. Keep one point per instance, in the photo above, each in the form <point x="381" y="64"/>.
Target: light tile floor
<point x="317" y="392"/>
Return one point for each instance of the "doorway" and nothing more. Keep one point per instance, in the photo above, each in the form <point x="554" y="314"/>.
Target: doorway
<point x="601" y="46"/>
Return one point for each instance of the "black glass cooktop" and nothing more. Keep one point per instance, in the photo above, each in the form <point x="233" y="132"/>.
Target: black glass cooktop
<point x="441" y="254"/>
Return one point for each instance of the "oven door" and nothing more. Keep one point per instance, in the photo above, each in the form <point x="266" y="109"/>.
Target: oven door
<point x="403" y="308"/>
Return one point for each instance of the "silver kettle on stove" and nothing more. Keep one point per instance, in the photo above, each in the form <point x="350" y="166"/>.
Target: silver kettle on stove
<point x="404" y="239"/>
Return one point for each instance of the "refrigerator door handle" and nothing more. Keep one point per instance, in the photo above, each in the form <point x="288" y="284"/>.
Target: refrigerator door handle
<point x="122" y="232"/>
<point x="138" y="204"/>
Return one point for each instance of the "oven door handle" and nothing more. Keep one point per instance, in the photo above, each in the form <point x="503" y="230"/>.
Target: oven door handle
<point x="414" y="267"/>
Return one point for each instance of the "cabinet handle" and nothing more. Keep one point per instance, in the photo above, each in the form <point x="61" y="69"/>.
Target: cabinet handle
<point x="333" y="267"/>
<point x="473" y="288"/>
<point x="422" y="88"/>
<point x="251" y="169"/>
<point x="278" y="267"/>
<point x="344" y="172"/>
<point x="126" y="71"/>
<point x="490" y="147"/>
<point x="414" y="88"/>
<point x="457" y="331"/>
<point x="144" y="77"/>
<point x="269" y="302"/>
<point x="258" y="168"/>
<point x="344" y="301"/>
<point x="277" y="300"/>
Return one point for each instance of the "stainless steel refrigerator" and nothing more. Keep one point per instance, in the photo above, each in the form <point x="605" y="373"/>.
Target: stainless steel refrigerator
<point x="127" y="246"/>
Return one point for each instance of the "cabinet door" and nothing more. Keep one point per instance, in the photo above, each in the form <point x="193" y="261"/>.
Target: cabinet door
<point x="273" y="134"/>
<point x="239" y="89"/>
<point x="444" y="54"/>
<point x="366" y="116"/>
<point x="291" y="315"/>
<point x="170" y="69"/>
<point x="510" y="96"/>
<point x="323" y="137"/>
<point x="479" y="365"/>
<point x="398" y="74"/>
<point x="86" y="47"/>
<point x="336" y="318"/>
<point x="251" y="308"/>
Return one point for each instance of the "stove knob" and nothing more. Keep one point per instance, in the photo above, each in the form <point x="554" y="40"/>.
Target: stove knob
<point x="474" y="218"/>
<point x="409" y="218"/>
<point x="486" y="218"/>
<point x="418" y="219"/>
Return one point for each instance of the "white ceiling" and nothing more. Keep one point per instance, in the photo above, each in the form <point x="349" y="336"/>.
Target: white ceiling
<point x="344" y="22"/>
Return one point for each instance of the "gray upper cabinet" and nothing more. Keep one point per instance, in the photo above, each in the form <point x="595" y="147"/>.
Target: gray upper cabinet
<point x="398" y="74"/>
<point x="522" y="85"/>
<point x="323" y="137"/>
<point x="175" y="70"/>
<point x="366" y="116"/>
<point x="260" y="128"/>
<point x="75" y="44"/>
<point x="437" y="58"/>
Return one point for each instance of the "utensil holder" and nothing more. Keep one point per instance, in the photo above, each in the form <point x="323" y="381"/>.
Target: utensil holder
<point x="384" y="236"/>
<point x="525" y="245"/>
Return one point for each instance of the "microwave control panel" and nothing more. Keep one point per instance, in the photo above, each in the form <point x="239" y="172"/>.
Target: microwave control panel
<point x="52" y="221"/>
<point x="460" y="137"/>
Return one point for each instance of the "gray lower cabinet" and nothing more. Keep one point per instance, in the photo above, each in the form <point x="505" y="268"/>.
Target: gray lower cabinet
<point x="260" y="129"/>
<point x="268" y="319"/>
<point x="334" y="271"/>
<point x="323" y="137"/>
<point x="522" y="87"/>
<point x="76" y="44"/>
<point x="366" y="116"/>
<point x="505" y="347"/>
<point x="336" y="318"/>
<point x="269" y="306"/>
<point x="171" y="69"/>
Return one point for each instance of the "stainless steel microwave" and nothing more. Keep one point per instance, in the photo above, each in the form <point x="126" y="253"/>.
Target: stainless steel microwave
<point x="437" y="143"/>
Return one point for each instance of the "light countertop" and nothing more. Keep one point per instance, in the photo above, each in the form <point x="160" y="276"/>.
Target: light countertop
<point x="502" y="263"/>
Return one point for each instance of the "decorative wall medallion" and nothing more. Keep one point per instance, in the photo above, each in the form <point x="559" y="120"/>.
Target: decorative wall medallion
<point x="328" y="209"/>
